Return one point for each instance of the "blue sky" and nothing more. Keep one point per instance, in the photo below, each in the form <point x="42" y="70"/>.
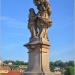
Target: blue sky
<point x="14" y="32"/>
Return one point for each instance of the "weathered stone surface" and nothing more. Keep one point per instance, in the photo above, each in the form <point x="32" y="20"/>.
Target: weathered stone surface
<point x="38" y="59"/>
<point x="39" y="22"/>
<point x="38" y="45"/>
<point x="38" y="73"/>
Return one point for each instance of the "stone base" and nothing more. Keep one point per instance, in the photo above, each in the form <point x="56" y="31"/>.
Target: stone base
<point x="38" y="57"/>
<point x="37" y="40"/>
<point x="37" y="73"/>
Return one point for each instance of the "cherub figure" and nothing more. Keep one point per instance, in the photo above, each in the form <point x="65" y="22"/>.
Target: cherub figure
<point x="43" y="6"/>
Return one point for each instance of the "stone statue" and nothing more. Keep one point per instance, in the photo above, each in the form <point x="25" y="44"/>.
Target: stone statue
<point x="32" y="23"/>
<point x="39" y="22"/>
<point x="38" y="44"/>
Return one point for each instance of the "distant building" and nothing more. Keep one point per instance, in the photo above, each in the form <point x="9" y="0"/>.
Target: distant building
<point x="10" y="63"/>
<point x="5" y="70"/>
<point x="1" y="62"/>
<point x="22" y="68"/>
<point x="12" y="72"/>
<point x="57" y="71"/>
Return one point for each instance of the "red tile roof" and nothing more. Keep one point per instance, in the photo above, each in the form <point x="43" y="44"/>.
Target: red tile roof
<point x="13" y="72"/>
<point x="4" y="68"/>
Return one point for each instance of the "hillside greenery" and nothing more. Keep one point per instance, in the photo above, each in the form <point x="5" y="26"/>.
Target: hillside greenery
<point x="66" y="67"/>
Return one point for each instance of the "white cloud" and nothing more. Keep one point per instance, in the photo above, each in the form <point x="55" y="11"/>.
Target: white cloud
<point x="12" y="22"/>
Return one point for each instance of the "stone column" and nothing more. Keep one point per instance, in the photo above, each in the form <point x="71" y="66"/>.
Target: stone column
<point x="38" y="59"/>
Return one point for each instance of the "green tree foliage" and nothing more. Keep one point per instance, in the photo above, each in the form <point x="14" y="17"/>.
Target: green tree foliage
<point x="68" y="67"/>
<point x="52" y="66"/>
<point x="13" y="67"/>
<point x="69" y="70"/>
<point x="59" y="63"/>
<point x="15" y="62"/>
<point x="8" y="61"/>
<point x="19" y="63"/>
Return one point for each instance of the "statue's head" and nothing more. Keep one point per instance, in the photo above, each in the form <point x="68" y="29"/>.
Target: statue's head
<point x="32" y="12"/>
<point x="37" y="2"/>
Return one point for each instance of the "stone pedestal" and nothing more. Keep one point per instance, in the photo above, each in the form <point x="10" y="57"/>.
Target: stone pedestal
<point x="38" y="59"/>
